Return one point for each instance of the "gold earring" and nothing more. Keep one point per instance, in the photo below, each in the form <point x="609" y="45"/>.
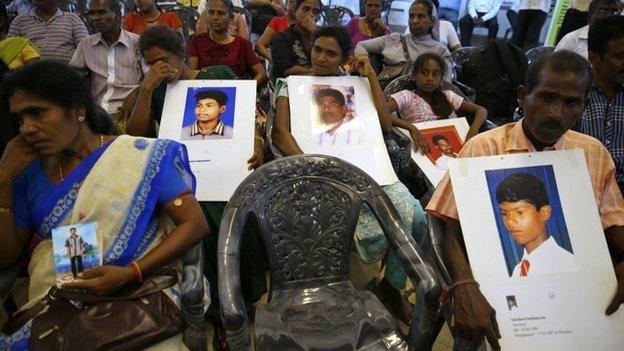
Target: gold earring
<point x="81" y="118"/>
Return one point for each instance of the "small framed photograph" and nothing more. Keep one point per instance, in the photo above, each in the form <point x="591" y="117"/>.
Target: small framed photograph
<point x="75" y="251"/>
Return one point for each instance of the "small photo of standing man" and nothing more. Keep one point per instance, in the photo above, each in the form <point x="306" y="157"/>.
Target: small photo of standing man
<point x="75" y="251"/>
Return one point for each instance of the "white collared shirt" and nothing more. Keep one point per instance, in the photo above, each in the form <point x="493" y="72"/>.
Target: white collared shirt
<point x="346" y="134"/>
<point x="543" y="5"/>
<point x="575" y="41"/>
<point x="548" y="258"/>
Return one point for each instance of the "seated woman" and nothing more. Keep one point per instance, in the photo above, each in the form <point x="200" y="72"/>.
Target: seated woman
<point x="163" y="51"/>
<point x="148" y="15"/>
<point x="331" y="48"/>
<point x="443" y="31"/>
<point x="370" y="26"/>
<point x="276" y="25"/>
<point x="57" y="172"/>
<point x="421" y="22"/>
<point x="238" y="25"/>
<point x="291" y="48"/>
<point x="15" y="51"/>
<point x="424" y="100"/>
<point x="218" y="47"/>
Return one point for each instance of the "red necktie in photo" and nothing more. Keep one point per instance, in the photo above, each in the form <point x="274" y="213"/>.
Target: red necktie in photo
<point x="524" y="268"/>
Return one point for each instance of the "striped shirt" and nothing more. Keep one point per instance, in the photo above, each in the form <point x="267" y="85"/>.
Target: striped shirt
<point x="114" y="70"/>
<point x="604" y="120"/>
<point x="510" y="138"/>
<point x="56" y="39"/>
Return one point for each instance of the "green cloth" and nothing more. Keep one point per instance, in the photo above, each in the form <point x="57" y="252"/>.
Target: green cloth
<point x="10" y="48"/>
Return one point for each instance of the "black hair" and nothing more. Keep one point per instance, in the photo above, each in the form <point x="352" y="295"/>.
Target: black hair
<point x="164" y="38"/>
<point x="70" y="229"/>
<point x="523" y="186"/>
<point x="299" y="2"/>
<point x="4" y="14"/>
<point x="340" y="35"/>
<point x="438" y="137"/>
<point x="439" y="103"/>
<point x="593" y="6"/>
<point x="228" y="5"/>
<point x="216" y="95"/>
<point x="603" y="31"/>
<point x="426" y="3"/>
<point x="55" y="82"/>
<point x="330" y="92"/>
<point x="114" y="6"/>
<point x="562" y="61"/>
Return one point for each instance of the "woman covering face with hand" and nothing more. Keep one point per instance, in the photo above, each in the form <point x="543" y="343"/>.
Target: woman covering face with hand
<point x="330" y="51"/>
<point x="57" y="172"/>
<point x="370" y="26"/>
<point x="291" y="48"/>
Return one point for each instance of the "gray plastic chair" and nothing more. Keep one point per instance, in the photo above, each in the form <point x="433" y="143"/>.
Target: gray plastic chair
<point x="335" y="15"/>
<point x="535" y="53"/>
<point x="306" y="208"/>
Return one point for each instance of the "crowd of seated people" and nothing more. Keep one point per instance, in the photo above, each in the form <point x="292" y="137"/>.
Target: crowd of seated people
<point x="59" y="81"/>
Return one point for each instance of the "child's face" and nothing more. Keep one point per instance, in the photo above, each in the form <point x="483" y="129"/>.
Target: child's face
<point x="523" y="221"/>
<point x="429" y="77"/>
<point x="208" y="110"/>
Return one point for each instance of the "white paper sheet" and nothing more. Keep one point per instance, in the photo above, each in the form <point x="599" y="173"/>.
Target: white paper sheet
<point x="220" y="163"/>
<point x="454" y="129"/>
<point x="358" y="141"/>
<point x="555" y="311"/>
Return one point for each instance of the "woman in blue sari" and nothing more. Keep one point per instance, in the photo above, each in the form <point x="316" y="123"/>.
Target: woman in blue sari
<point x="61" y="171"/>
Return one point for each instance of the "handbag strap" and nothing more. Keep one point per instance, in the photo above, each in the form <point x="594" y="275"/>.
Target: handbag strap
<point x="149" y="286"/>
<point x="405" y="50"/>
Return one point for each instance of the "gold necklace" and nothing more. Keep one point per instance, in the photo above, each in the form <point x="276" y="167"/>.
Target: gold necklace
<point x="60" y="167"/>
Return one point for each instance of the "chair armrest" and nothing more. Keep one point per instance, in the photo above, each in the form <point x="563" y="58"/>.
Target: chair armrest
<point x="192" y="297"/>
<point x="233" y="313"/>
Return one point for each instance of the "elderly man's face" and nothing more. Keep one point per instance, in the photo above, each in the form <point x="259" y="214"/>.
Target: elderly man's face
<point x="553" y="106"/>
<point x="330" y="110"/>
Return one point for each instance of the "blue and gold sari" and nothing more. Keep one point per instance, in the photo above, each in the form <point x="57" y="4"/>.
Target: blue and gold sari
<point x="121" y="186"/>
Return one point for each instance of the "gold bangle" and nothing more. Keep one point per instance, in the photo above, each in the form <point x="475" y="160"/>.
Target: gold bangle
<point x="5" y="210"/>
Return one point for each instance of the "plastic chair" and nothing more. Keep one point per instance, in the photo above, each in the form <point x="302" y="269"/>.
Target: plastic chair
<point x="335" y="15"/>
<point x="248" y="17"/>
<point x="460" y="57"/>
<point x="306" y="207"/>
<point x="535" y="53"/>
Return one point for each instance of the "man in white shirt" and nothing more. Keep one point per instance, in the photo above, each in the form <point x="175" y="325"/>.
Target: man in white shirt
<point x="336" y="127"/>
<point x="480" y="13"/>
<point x="442" y="143"/>
<point x="531" y="19"/>
<point x="525" y="208"/>
<point x="110" y="57"/>
<point x="577" y="40"/>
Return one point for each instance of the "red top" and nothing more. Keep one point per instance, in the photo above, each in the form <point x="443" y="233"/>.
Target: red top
<point x="238" y="54"/>
<point x="279" y="24"/>
<point x="135" y="23"/>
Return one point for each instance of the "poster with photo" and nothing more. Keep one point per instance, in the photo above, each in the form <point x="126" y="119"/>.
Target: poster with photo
<point x="537" y="248"/>
<point x="336" y="116"/>
<point x="75" y="251"/>
<point x="445" y="138"/>
<point x="216" y="122"/>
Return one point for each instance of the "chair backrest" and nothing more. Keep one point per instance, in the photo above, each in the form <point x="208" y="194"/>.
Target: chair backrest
<point x="248" y="17"/>
<point x="306" y="208"/>
<point x="335" y="15"/>
<point x="461" y="56"/>
<point x="535" y="53"/>
<point x="396" y="85"/>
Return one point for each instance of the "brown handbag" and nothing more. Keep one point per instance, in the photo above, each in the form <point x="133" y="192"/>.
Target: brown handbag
<point x="389" y="72"/>
<point x="130" y="320"/>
